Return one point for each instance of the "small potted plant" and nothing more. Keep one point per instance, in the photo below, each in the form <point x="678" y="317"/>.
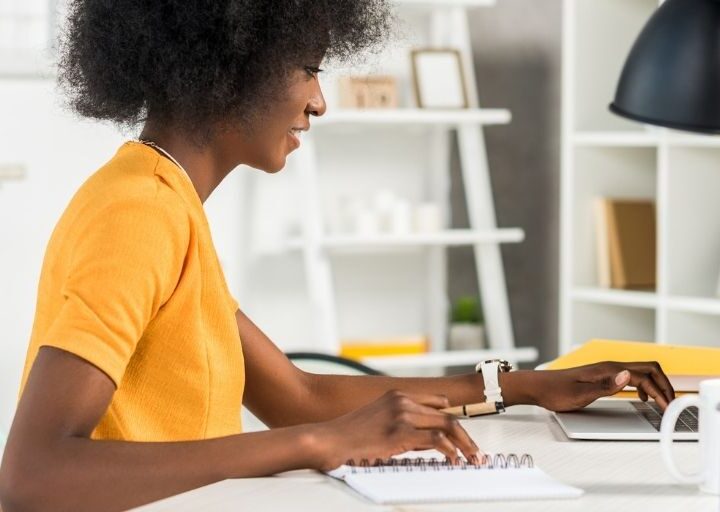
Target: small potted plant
<point x="467" y="331"/>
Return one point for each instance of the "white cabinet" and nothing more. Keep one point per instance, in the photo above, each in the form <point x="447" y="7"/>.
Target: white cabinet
<point x="605" y="155"/>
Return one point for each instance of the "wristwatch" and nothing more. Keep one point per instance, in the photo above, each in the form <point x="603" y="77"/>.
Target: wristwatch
<point x="490" y="370"/>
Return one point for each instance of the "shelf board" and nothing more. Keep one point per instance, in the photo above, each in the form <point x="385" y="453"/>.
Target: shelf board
<point x="414" y="116"/>
<point x="450" y="358"/>
<point x="688" y="140"/>
<point x="446" y="3"/>
<point x="614" y="139"/>
<point x="709" y="305"/>
<point x="616" y="297"/>
<point x="649" y="300"/>
<point x="453" y="237"/>
<point x="650" y="138"/>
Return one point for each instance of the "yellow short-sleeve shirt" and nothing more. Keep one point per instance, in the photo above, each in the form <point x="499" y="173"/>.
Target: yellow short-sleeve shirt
<point x="131" y="283"/>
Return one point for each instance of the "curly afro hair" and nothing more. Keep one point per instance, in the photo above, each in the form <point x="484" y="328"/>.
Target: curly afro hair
<point x="197" y="63"/>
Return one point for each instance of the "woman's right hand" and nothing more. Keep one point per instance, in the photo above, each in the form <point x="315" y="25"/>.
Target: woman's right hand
<point x="395" y="423"/>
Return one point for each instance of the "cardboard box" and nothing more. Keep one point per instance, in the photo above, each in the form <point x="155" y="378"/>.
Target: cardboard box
<point x="361" y="92"/>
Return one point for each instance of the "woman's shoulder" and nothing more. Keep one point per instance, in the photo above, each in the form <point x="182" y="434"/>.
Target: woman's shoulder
<point x="136" y="171"/>
<point x="129" y="191"/>
<point x="132" y="177"/>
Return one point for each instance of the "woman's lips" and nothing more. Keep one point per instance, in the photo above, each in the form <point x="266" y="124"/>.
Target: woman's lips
<point x="295" y="134"/>
<point x="294" y="138"/>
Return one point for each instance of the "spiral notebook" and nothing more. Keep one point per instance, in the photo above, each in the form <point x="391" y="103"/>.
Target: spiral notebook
<point x="423" y="480"/>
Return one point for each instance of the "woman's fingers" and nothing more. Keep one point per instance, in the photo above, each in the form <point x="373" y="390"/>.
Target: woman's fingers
<point x="645" y="383"/>
<point x="654" y="370"/>
<point x="430" y="428"/>
<point x="434" y="401"/>
<point x="439" y="440"/>
<point x="429" y="419"/>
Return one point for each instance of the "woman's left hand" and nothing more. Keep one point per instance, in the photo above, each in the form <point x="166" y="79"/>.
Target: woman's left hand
<point x="574" y="388"/>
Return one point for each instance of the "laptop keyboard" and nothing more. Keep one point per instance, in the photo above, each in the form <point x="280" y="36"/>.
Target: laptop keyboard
<point x="687" y="422"/>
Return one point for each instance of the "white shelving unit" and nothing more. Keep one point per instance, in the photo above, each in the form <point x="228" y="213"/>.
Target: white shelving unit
<point x="408" y="151"/>
<point x="604" y="155"/>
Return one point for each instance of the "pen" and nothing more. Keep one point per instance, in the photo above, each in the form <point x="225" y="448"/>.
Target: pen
<point x="472" y="410"/>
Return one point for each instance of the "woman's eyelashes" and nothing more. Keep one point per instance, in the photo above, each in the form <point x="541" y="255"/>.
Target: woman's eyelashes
<point x="313" y="71"/>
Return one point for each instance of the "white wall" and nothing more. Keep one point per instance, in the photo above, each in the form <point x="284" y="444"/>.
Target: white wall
<point x="60" y="151"/>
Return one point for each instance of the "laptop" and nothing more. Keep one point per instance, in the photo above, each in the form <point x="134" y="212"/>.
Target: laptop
<point x="632" y="420"/>
<point x="625" y="420"/>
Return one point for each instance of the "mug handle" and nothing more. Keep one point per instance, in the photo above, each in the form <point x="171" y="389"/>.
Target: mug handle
<point x="666" y="437"/>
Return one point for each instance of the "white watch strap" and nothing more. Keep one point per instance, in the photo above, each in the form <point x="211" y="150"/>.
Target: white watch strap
<point x="489" y="370"/>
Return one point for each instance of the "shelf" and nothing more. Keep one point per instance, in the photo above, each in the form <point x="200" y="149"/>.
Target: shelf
<point x="650" y="300"/>
<point x="446" y="3"/>
<point x="447" y="238"/>
<point x="415" y="116"/>
<point x="648" y="138"/>
<point x="450" y="358"/>
<point x="617" y="138"/>
<point x="616" y="297"/>
<point x="693" y="141"/>
<point x="709" y="306"/>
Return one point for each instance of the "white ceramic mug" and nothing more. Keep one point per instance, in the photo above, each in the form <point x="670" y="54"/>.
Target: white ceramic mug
<point x="708" y="404"/>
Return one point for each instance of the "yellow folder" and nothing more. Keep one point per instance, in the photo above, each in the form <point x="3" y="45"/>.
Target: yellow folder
<point x="676" y="360"/>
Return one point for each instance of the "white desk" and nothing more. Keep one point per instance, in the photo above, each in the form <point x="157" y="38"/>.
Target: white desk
<point x="614" y="475"/>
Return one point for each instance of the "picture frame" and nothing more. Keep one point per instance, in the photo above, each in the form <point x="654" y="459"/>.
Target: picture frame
<point x="439" y="78"/>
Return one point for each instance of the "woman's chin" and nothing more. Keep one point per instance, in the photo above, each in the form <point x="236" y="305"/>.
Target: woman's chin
<point x="274" y="166"/>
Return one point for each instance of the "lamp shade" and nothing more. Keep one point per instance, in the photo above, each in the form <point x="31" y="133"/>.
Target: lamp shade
<point x="672" y="76"/>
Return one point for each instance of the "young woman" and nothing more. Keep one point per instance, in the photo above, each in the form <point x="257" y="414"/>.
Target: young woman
<point x="139" y="358"/>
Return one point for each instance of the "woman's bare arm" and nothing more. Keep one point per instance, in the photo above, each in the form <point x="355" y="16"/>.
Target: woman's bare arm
<point x="51" y="463"/>
<point x="312" y="398"/>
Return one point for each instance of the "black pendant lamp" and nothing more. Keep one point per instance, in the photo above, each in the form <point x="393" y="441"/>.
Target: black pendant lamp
<point x="672" y="76"/>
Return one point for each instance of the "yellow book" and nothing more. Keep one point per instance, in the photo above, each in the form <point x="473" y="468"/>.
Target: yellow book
<point x="358" y="349"/>
<point x="678" y="361"/>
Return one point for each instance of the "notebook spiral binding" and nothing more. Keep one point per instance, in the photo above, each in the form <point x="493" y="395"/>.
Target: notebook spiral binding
<point x="496" y="461"/>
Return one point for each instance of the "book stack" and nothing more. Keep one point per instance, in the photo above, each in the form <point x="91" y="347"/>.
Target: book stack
<point x="626" y="243"/>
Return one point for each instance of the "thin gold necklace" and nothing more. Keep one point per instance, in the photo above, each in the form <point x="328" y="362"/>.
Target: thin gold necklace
<point x="155" y="146"/>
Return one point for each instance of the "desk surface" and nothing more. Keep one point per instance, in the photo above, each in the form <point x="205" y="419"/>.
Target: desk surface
<point x="614" y="475"/>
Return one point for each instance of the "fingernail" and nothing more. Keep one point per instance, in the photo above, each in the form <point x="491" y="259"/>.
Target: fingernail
<point x="621" y="377"/>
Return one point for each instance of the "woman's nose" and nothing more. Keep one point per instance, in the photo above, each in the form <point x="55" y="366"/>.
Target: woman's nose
<point x="316" y="104"/>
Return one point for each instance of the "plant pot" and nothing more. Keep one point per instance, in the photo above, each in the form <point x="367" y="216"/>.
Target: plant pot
<point x="466" y="336"/>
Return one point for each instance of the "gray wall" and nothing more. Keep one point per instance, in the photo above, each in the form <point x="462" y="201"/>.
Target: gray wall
<point x="517" y="46"/>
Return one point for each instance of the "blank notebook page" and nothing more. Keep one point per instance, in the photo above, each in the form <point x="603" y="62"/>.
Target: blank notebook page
<point x="451" y="485"/>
